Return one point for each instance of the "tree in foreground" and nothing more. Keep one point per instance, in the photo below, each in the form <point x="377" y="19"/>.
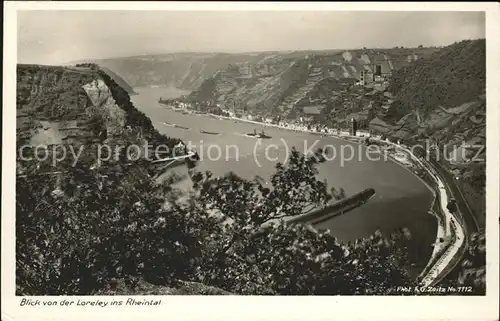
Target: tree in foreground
<point x="115" y="223"/>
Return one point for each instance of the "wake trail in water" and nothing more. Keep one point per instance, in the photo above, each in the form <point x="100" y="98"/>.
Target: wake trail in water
<point x="243" y="135"/>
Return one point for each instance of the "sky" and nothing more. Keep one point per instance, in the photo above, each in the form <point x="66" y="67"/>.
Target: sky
<point x="53" y="37"/>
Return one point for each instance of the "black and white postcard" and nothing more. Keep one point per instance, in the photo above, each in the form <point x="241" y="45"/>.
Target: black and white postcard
<point x="246" y="160"/>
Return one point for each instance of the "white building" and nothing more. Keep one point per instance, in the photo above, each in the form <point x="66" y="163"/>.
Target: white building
<point x="362" y="133"/>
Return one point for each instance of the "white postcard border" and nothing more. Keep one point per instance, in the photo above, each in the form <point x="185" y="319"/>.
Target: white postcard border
<point x="257" y="307"/>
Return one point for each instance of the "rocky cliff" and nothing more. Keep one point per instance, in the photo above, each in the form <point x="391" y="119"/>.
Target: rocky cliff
<point x="77" y="106"/>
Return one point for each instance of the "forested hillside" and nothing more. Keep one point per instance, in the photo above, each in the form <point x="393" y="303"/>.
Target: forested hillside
<point x="448" y="78"/>
<point x="443" y="100"/>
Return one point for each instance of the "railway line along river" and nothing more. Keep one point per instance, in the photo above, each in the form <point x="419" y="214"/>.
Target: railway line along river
<point x="401" y="199"/>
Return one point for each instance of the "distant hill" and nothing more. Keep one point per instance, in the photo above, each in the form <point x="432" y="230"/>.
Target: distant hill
<point x="189" y="70"/>
<point x="119" y="80"/>
<point x="281" y="83"/>
<point x="182" y="70"/>
<point x="448" y="78"/>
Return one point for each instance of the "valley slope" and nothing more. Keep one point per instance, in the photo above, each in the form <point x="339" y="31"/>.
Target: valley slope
<point x="77" y="106"/>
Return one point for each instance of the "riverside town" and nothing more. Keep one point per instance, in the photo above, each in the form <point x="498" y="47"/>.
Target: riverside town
<point x="161" y="160"/>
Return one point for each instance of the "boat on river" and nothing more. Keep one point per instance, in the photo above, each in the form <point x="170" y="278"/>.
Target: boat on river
<point x="259" y="135"/>
<point x="181" y="127"/>
<point x="209" y="133"/>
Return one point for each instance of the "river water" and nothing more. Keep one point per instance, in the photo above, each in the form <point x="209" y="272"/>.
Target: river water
<point x="401" y="199"/>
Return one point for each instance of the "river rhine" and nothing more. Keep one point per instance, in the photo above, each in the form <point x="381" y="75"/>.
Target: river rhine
<point x="401" y="199"/>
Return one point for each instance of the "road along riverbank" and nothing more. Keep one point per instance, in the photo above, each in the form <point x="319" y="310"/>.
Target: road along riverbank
<point x="453" y="231"/>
